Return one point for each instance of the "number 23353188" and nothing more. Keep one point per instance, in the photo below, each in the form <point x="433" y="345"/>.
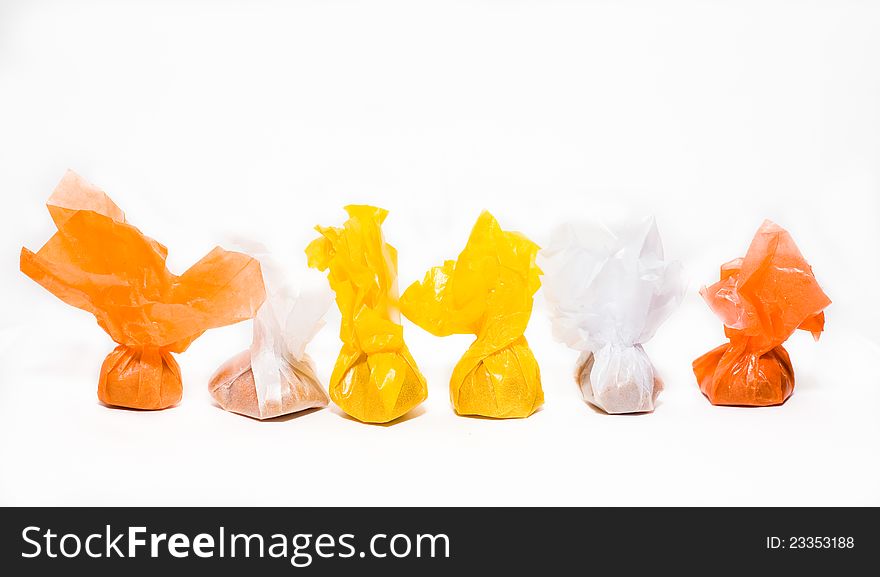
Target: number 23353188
<point x="810" y="543"/>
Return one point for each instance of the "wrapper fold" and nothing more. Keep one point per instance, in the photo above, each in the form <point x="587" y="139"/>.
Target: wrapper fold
<point x="99" y="263"/>
<point x="275" y="376"/>
<point x="488" y="292"/>
<point x="608" y="292"/>
<point x="762" y="299"/>
<point x="375" y="379"/>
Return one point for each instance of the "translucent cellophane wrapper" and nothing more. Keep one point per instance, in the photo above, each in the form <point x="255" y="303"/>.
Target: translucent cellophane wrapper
<point x="608" y="292"/>
<point x="375" y="379"/>
<point x="487" y="292"/>
<point x="101" y="264"/>
<point x="762" y="299"/>
<point x="275" y="376"/>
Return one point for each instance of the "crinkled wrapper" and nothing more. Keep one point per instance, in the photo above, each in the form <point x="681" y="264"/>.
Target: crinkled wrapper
<point x="275" y="376"/>
<point x="296" y="387"/>
<point x="762" y="299"/>
<point x="375" y="379"/>
<point x="608" y="292"/>
<point x="99" y="263"/>
<point x="488" y="292"/>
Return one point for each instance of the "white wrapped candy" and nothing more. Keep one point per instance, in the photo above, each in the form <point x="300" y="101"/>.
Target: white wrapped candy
<point x="275" y="376"/>
<point x="608" y="292"/>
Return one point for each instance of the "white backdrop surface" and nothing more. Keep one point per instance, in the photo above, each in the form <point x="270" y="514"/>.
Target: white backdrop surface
<point x="210" y="120"/>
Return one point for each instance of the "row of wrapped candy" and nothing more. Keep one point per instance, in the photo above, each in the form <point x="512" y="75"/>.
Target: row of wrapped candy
<point x="608" y="292"/>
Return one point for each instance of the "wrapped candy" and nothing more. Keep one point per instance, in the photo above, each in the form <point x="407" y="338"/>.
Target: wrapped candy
<point x="101" y="264"/>
<point x="762" y="299"/>
<point x="609" y="292"/>
<point x="487" y="292"/>
<point x="375" y="379"/>
<point x="275" y="376"/>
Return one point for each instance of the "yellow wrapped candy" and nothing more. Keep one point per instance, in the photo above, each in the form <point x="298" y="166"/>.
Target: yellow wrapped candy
<point x="487" y="292"/>
<point x="375" y="379"/>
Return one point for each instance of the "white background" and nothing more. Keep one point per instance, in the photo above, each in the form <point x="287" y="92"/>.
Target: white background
<point x="204" y="120"/>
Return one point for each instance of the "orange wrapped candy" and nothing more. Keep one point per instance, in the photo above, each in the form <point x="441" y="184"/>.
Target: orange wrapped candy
<point x="762" y="299"/>
<point x="99" y="263"/>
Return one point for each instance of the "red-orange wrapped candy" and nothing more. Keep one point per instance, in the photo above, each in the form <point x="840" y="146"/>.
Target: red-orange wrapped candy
<point x="762" y="299"/>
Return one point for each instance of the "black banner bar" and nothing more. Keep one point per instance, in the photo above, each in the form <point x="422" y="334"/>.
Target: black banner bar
<point x="402" y="540"/>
